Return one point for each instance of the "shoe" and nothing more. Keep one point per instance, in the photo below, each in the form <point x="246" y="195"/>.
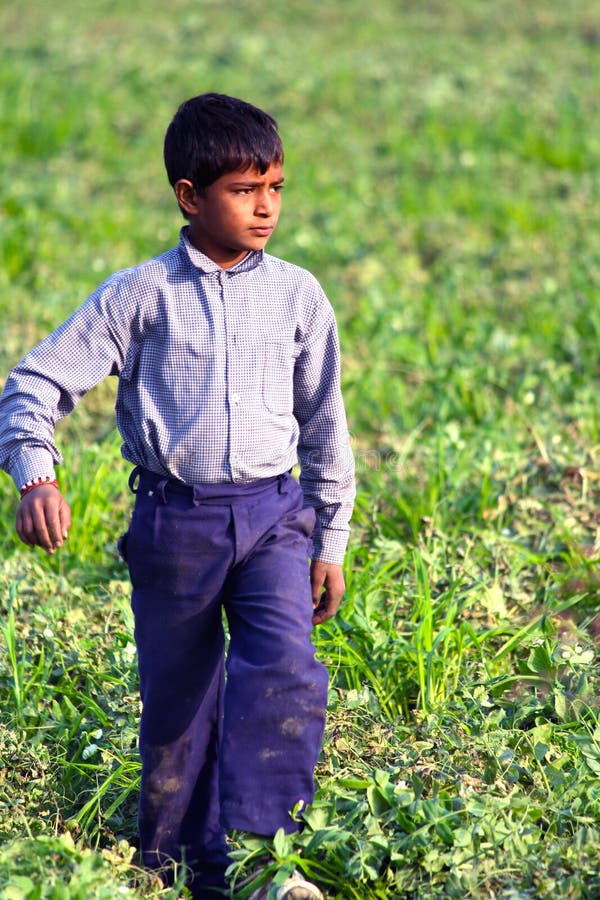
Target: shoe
<point x="294" y="888"/>
<point x="298" y="888"/>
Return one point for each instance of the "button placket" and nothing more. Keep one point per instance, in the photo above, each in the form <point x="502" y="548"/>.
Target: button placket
<point x="233" y="393"/>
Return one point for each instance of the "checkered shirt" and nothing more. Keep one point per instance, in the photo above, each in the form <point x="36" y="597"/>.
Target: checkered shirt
<point x="224" y="376"/>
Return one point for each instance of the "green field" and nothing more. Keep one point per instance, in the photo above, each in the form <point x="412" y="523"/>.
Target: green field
<point x="443" y="183"/>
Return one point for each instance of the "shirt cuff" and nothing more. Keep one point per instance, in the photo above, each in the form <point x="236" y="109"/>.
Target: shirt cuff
<point x="329" y="545"/>
<point x="35" y="463"/>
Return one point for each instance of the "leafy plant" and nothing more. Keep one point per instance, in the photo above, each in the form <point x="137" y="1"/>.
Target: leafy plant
<point x="442" y="183"/>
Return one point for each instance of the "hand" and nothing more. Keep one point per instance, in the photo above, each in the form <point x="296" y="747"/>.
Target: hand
<point x="327" y="583"/>
<point x="43" y="518"/>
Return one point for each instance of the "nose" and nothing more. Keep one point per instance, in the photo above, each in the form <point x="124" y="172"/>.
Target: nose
<point x="264" y="204"/>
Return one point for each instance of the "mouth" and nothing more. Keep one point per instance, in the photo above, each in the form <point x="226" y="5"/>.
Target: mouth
<point x="262" y="230"/>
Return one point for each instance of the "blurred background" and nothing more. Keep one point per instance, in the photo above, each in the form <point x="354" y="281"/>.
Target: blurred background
<point x="443" y="183"/>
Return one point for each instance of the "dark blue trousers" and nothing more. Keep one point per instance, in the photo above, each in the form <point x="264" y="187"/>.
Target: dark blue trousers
<point x="222" y="746"/>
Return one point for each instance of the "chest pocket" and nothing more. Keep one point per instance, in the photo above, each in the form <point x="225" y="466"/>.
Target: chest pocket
<point x="279" y="359"/>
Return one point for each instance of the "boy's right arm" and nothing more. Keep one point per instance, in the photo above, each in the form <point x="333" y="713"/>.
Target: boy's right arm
<point x="43" y="518"/>
<point x="45" y="386"/>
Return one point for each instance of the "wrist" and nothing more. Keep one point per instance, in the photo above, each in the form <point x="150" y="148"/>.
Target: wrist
<point x="41" y="481"/>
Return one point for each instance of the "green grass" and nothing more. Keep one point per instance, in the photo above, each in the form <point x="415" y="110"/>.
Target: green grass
<point x="443" y="183"/>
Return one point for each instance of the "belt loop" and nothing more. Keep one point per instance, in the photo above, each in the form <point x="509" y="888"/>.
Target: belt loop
<point x="282" y="483"/>
<point x="161" y="489"/>
<point x="134" y="484"/>
<point x="196" y="494"/>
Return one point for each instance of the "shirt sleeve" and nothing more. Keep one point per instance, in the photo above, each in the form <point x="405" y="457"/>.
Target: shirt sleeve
<point x="324" y="452"/>
<point x="47" y="384"/>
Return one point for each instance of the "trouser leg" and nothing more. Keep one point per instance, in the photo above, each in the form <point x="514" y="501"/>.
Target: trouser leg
<point x="175" y="561"/>
<point x="276" y="690"/>
<point x="181" y="680"/>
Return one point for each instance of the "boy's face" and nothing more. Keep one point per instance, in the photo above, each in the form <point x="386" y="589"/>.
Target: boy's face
<point x="235" y="214"/>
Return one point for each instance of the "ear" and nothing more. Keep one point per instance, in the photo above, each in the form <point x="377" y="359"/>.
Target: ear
<point x="186" y="196"/>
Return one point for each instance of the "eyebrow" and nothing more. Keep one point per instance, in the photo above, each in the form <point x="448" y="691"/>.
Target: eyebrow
<point x="254" y="183"/>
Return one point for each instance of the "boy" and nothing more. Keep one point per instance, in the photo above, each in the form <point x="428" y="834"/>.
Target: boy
<point x="228" y="369"/>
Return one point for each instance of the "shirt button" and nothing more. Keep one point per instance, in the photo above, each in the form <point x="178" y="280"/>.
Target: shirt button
<point x="235" y="398"/>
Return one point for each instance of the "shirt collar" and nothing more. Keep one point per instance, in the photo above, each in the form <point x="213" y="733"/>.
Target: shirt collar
<point x="207" y="265"/>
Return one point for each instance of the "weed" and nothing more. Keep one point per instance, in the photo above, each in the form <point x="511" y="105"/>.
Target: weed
<point x="442" y="182"/>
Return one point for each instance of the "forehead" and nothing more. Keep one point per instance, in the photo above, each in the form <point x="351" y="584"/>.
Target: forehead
<point x="251" y="175"/>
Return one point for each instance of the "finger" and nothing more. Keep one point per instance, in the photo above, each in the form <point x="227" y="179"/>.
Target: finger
<point x="318" y="590"/>
<point x="322" y="614"/>
<point x="320" y="602"/>
<point x="24" y="527"/>
<point x="65" y="519"/>
<point x="327" y="608"/>
<point x="58" y="519"/>
<point x="54" y="526"/>
<point x="33" y="531"/>
<point x="41" y="535"/>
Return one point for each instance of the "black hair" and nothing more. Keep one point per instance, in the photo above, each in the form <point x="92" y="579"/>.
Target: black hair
<point x="213" y="134"/>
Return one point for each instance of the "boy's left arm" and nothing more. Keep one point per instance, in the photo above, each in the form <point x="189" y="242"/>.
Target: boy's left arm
<point x="325" y="455"/>
<point x="327" y="583"/>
